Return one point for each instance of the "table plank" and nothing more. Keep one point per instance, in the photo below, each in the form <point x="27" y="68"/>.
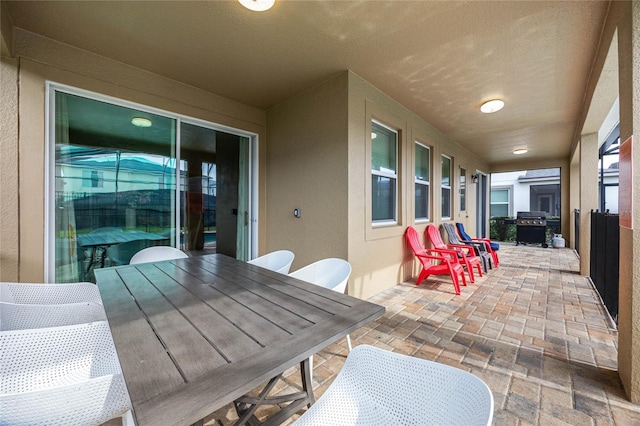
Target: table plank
<point x="252" y="324"/>
<point x="149" y="371"/>
<point x="211" y="324"/>
<point x="192" y="354"/>
<point x="307" y="312"/>
<point x="282" y="290"/>
<point x="292" y="286"/>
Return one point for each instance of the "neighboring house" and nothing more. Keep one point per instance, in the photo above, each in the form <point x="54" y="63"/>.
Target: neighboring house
<point x="610" y="177"/>
<point x="531" y="190"/>
<point x="539" y="190"/>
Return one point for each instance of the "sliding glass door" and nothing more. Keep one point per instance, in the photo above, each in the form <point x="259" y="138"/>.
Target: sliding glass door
<point x="124" y="177"/>
<point x="214" y="191"/>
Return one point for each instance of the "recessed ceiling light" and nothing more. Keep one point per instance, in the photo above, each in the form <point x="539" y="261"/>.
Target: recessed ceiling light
<point x="491" y="106"/>
<point x="257" y="5"/>
<point x="374" y="135"/>
<point x="520" y="151"/>
<point x="141" y="122"/>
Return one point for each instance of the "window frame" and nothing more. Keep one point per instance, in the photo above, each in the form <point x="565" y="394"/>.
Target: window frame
<point x="509" y="202"/>
<point x="94" y="180"/>
<point x="426" y="183"/>
<point x="395" y="176"/>
<point x="462" y="188"/>
<point x="374" y="111"/>
<point x="444" y="187"/>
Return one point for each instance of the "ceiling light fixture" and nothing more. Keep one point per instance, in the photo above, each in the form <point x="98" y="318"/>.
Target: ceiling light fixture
<point x="257" y="5"/>
<point x="520" y="151"/>
<point x="492" y="106"/>
<point x="141" y="122"/>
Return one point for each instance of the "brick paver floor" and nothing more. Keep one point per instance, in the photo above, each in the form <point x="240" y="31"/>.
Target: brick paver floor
<point x="533" y="329"/>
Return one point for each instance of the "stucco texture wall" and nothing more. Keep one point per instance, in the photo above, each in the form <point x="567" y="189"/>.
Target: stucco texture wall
<point x="308" y="170"/>
<point x="9" y="225"/>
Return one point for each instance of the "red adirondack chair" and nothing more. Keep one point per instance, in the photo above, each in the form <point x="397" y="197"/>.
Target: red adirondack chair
<point x="446" y="261"/>
<point x="464" y="254"/>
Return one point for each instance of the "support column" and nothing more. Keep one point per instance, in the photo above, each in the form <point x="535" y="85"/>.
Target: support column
<point x="629" y="307"/>
<point x="574" y="197"/>
<point x="588" y="195"/>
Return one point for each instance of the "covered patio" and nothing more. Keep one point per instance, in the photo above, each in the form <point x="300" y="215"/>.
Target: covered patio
<point x="533" y="329"/>
<point x="312" y="105"/>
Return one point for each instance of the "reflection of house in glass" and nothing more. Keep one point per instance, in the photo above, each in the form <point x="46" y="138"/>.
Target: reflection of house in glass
<point x="125" y="190"/>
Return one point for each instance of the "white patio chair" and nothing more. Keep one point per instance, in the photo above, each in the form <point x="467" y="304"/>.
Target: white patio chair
<point x="15" y="316"/>
<point x="331" y="273"/>
<point x="49" y="294"/>
<point x="279" y="261"/>
<point x="156" y="254"/>
<point x="378" y="387"/>
<point x="62" y="376"/>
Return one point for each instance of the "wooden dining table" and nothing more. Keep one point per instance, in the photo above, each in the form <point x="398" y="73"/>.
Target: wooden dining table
<point x="196" y="334"/>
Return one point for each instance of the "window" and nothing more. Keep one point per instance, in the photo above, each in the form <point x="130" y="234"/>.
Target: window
<point x="446" y="186"/>
<point x="92" y="179"/>
<point x="463" y="189"/>
<point x="500" y="198"/>
<point x="423" y="177"/>
<point x="384" y="174"/>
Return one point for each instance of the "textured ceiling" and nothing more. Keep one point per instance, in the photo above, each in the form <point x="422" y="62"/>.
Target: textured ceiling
<point x="439" y="59"/>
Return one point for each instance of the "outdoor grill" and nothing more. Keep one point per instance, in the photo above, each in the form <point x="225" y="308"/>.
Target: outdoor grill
<point x="531" y="227"/>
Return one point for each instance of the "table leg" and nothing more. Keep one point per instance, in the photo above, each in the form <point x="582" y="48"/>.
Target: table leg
<point x="103" y="256"/>
<point x="247" y="405"/>
<point x="305" y="372"/>
<point x="91" y="258"/>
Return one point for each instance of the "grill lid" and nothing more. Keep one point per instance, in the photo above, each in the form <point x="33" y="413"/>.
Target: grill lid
<point x="532" y="218"/>
<point x="532" y="215"/>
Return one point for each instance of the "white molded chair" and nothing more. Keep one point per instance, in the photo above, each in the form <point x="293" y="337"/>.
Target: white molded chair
<point x="378" y="387"/>
<point x="15" y="316"/>
<point x="279" y="261"/>
<point x="156" y="254"/>
<point x="62" y="376"/>
<point x="331" y="273"/>
<point x="49" y="294"/>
